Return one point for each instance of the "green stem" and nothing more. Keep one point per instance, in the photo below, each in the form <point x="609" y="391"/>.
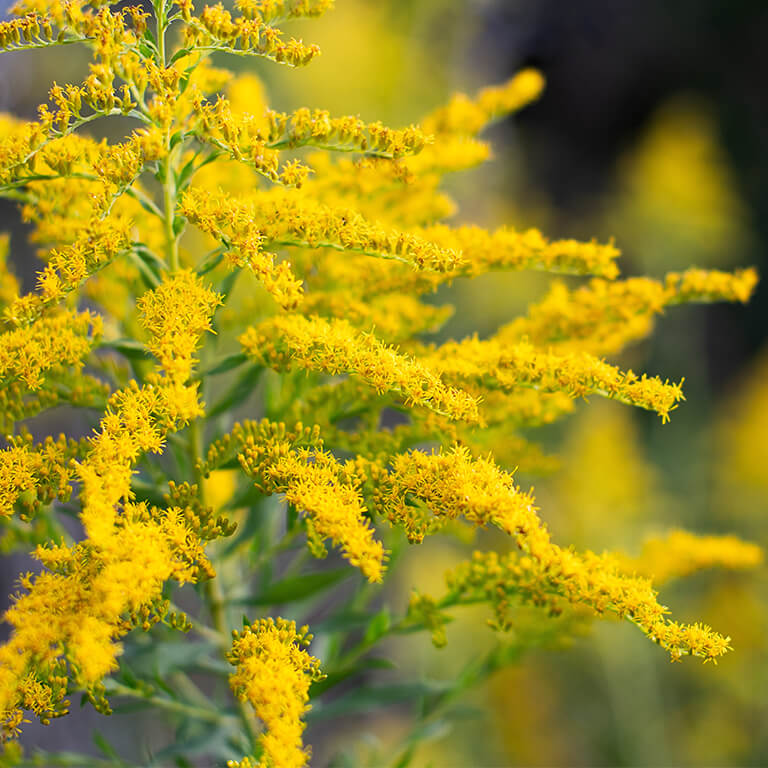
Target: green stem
<point x="199" y="713"/>
<point x="168" y="171"/>
<point x="169" y="205"/>
<point x="212" y="588"/>
<point x="160" y="22"/>
<point x="184" y="684"/>
<point x="215" y="600"/>
<point x="206" y="632"/>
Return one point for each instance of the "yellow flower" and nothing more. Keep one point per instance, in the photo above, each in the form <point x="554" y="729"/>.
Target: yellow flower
<point x="50" y="344"/>
<point x="492" y="364"/>
<point x="177" y="313"/>
<point x="680" y="553"/>
<point x="293" y="463"/>
<point x="274" y="673"/>
<point x="336" y="347"/>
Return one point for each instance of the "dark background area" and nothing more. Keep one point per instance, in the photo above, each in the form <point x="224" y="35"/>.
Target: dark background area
<point x="609" y="66"/>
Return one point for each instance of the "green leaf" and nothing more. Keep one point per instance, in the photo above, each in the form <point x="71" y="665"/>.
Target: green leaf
<point x="150" y="258"/>
<point x="228" y="283"/>
<point x="223" y="365"/>
<point x="150" y="276"/>
<point x="185" y="173"/>
<point x="251" y="529"/>
<point x="342" y="622"/>
<point x="378" y="662"/>
<point x="127" y="677"/>
<point x="239" y="392"/>
<point x="130" y="348"/>
<point x="339" y="675"/>
<point x="149" y="37"/>
<point x="331" y="679"/>
<point x="147" y="492"/>
<point x="368" y="698"/>
<point x="249" y="496"/>
<point x="208" y="741"/>
<point x="105" y="747"/>
<point x="378" y="627"/>
<point x="291" y="517"/>
<point x="180" y="54"/>
<point x="145" y="204"/>
<point x="211" y="262"/>
<point x="297" y="588"/>
<point x="162" y="658"/>
<point x="176" y="138"/>
<point x="343" y="760"/>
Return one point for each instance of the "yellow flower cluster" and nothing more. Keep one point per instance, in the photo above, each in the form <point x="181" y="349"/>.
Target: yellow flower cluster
<point x="242" y="138"/>
<point x="177" y="314"/>
<point x="51" y="343"/>
<point x="351" y="134"/>
<point x="137" y="418"/>
<point x="247" y="35"/>
<point x="711" y="285"/>
<point x="112" y="220"/>
<point x="71" y="266"/>
<point x="456" y="125"/>
<point x="32" y="475"/>
<point x="135" y="423"/>
<point x="75" y="607"/>
<point x="274" y="673"/>
<point x="680" y="553"/>
<point x="293" y="462"/>
<point x="9" y="284"/>
<point x="230" y="222"/>
<point x="393" y="316"/>
<point x="129" y="554"/>
<point x="467" y="116"/>
<point x="317" y="483"/>
<point x="294" y="220"/>
<point x="70" y="103"/>
<point x="26" y="32"/>
<point x="493" y="364"/>
<point x="507" y="249"/>
<point x="335" y="347"/>
<point x="471" y="252"/>
<point x="559" y="577"/>
<point x="454" y="483"/>
<point x="18" y="474"/>
<point x="379" y="189"/>
<point x="280" y="218"/>
<point x="56" y="22"/>
<point x="273" y="10"/>
<point x="256" y="139"/>
<point x="601" y="317"/>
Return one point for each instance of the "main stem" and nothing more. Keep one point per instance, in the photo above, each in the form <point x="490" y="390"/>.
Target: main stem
<point x="168" y="174"/>
<point x="212" y="593"/>
<point x="169" y="206"/>
<point x="211" y="589"/>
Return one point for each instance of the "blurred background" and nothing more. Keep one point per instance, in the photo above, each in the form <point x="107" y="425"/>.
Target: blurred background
<point x="653" y="130"/>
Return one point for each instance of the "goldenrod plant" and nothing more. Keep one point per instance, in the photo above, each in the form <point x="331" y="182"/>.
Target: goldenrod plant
<point x="238" y="299"/>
